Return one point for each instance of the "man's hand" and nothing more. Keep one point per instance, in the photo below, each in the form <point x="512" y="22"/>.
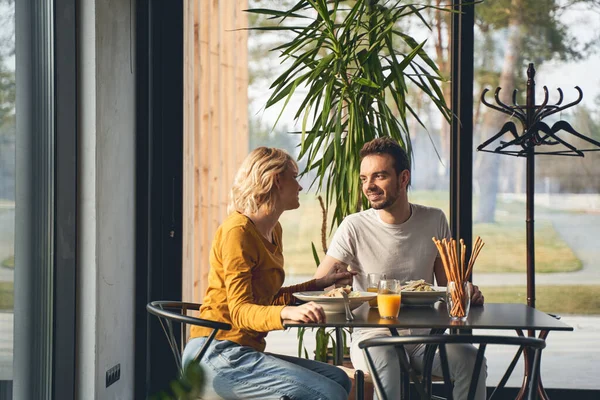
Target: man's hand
<point x="476" y="296"/>
<point x="337" y="275"/>
<point x="308" y="312"/>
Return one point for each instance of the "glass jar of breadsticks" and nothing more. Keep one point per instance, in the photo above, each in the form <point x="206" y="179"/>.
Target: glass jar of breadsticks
<point x="458" y="271"/>
<point x="458" y="300"/>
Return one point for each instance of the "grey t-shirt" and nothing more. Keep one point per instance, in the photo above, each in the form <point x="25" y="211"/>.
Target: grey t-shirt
<point x="401" y="251"/>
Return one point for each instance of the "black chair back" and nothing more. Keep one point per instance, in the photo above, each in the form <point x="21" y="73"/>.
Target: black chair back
<point x="169" y="312"/>
<point x="532" y="347"/>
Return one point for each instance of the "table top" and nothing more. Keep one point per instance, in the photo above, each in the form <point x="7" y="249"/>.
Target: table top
<point x="488" y="316"/>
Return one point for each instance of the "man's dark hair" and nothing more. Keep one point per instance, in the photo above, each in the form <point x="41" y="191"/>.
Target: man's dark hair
<point x="387" y="145"/>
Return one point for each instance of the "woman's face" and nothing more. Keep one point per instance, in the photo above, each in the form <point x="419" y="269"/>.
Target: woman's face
<point x="289" y="188"/>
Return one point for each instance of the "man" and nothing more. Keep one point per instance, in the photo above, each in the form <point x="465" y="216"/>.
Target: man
<point x="394" y="237"/>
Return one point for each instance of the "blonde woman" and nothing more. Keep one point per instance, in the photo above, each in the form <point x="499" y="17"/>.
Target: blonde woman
<point x="245" y="290"/>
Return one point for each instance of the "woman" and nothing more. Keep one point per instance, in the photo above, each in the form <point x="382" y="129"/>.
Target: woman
<point x="244" y="290"/>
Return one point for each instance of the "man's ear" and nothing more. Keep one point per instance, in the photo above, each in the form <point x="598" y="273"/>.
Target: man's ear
<point x="404" y="178"/>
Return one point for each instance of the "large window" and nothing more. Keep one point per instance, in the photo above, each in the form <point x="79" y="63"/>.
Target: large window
<point x="559" y="41"/>
<point x="558" y="37"/>
<point x="430" y="141"/>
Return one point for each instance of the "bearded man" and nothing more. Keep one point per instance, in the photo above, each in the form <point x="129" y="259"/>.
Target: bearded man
<point x="393" y="237"/>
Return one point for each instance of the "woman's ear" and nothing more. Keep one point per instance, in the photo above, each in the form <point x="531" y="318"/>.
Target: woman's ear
<point x="278" y="181"/>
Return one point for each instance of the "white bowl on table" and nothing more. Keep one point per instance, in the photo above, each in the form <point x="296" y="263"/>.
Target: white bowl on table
<point x="334" y="304"/>
<point x="424" y="298"/>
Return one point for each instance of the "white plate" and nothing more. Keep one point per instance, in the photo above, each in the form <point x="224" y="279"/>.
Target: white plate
<point x="334" y="304"/>
<point x="423" y="298"/>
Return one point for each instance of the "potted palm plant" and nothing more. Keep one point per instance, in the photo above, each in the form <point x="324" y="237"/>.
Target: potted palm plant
<point x="356" y="67"/>
<point x="325" y="349"/>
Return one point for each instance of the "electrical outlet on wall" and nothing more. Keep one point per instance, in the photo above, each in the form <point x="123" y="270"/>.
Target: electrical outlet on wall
<point x="113" y="374"/>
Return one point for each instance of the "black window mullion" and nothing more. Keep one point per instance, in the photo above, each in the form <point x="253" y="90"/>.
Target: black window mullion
<point x="461" y="137"/>
<point x="159" y="175"/>
<point x="65" y="227"/>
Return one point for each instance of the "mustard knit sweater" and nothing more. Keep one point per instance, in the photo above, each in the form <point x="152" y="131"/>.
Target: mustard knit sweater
<point x="244" y="283"/>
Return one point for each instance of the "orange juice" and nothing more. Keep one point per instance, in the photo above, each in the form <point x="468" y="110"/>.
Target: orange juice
<point x="389" y="305"/>
<point x="373" y="302"/>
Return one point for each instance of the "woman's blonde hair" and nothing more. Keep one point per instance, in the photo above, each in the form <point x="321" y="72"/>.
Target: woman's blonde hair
<point x="255" y="180"/>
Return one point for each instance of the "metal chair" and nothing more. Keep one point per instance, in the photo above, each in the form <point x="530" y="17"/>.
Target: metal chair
<point x="177" y="311"/>
<point x="525" y="343"/>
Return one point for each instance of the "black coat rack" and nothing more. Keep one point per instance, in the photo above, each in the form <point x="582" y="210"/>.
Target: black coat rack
<point x="536" y="137"/>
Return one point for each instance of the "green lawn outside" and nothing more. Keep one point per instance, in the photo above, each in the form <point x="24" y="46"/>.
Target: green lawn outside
<point x="553" y="299"/>
<point x="9" y="262"/>
<point x="6" y="296"/>
<point x="579" y="300"/>
<point x="505" y="249"/>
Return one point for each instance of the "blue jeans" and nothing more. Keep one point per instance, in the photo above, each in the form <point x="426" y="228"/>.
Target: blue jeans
<point x="232" y="371"/>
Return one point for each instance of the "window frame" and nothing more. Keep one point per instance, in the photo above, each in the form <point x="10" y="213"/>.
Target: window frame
<point x="45" y="214"/>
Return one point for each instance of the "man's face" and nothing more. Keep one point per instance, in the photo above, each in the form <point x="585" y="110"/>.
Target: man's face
<point x="380" y="182"/>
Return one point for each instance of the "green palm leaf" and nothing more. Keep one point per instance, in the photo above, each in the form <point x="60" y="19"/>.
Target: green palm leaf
<point x="356" y="67"/>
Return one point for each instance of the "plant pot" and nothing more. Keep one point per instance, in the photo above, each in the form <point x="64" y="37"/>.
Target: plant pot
<point x="345" y="362"/>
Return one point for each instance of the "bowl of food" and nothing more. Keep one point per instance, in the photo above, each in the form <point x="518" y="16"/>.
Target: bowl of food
<point x="421" y="293"/>
<point x="332" y="301"/>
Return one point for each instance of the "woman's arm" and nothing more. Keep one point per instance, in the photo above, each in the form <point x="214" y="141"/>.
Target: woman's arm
<point x="338" y="275"/>
<point x="239" y="258"/>
<point x="285" y="297"/>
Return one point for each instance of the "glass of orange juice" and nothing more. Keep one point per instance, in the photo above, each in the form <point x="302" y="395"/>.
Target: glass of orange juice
<point x="388" y="298"/>
<point x="373" y="286"/>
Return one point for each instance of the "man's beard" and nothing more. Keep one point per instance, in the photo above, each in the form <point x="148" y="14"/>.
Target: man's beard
<point x="381" y="205"/>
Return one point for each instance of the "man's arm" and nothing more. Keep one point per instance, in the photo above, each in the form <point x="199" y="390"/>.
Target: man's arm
<point x="440" y="274"/>
<point x="331" y="265"/>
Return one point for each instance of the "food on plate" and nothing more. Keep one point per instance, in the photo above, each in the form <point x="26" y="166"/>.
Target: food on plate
<point x="337" y="292"/>
<point x="417" y="286"/>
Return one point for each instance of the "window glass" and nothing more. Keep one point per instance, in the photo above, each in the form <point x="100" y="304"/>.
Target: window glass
<point x="7" y="194"/>
<point x="305" y="227"/>
<point x="561" y="42"/>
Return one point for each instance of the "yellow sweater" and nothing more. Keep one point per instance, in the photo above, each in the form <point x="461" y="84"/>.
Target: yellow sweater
<point x="244" y="283"/>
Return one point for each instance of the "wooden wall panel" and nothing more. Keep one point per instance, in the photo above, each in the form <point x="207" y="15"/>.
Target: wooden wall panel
<point x="215" y="126"/>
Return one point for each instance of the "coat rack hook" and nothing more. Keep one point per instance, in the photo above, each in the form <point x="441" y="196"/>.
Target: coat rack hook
<point x="511" y="111"/>
<point x="541" y="108"/>
<point x="560" y="98"/>
<point x="555" y="110"/>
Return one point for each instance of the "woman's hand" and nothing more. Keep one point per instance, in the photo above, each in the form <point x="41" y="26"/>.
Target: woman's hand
<point x="476" y="296"/>
<point x="308" y="312"/>
<point x="338" y="275"/>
